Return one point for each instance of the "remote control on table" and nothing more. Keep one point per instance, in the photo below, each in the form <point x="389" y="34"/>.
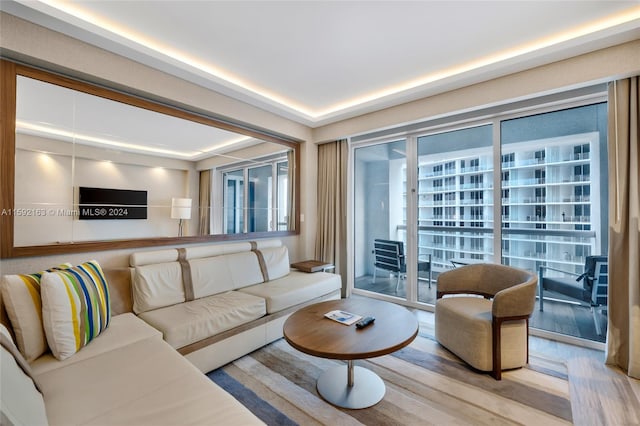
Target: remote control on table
<point x="365" y="322"/>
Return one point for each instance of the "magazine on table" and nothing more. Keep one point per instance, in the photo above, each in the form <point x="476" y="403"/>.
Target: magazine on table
<point x="343" y="317"/>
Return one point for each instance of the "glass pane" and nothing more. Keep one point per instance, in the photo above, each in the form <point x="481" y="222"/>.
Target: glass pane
<point x="380" y="214"/>
<point x="233" y="202"/>
<point x="45" y="212"/>
<point x="554" y="210"/>
<point x="455" y="203"/>
<point x="259" y="199"/>
<point x="283" y="183"/>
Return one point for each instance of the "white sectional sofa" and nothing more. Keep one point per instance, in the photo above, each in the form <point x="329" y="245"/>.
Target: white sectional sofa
<point x="131" y="373"/>
<point x="241" y="294"/>
<point x="131" y="376"/>
<point x="128" y="375"/>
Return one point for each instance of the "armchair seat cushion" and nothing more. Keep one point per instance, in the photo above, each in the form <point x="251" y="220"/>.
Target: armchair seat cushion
<point x="463" y="325"/>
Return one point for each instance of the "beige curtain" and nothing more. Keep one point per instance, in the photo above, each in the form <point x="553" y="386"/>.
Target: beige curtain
<point x="205" y="203"/>
<point x="291" y="184"/>
<point x="623" y="335"/>
<point x="331" y="235"/>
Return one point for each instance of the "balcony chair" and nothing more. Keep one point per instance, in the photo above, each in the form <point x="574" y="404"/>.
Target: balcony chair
<point x="490" y="333"/>
<point x="389" y="256"/>
<point x="586" y="289"/>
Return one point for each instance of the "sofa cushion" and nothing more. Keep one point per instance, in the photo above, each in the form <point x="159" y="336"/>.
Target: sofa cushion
<point x="295" y="288"/>
<point x="464" y="327"/>
<point x="276" y="260"/>
<point x="156" y="286"/>
<point x="218" y="274"/>
<point x="198" y="319"/>
<point x="21" y="297"/>
<point x="213" y="269"/>
<point x="75" y="307"/>
<point x="21" y="402"/>
<point x="143" y="383"/>
<point x="213" y="250"/>
<point x="123" y="330"/>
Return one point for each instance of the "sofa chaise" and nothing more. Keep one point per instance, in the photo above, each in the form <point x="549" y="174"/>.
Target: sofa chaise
<point x="146" y="365"/>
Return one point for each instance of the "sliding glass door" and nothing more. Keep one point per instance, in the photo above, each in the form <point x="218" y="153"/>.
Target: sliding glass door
<point x="455" y="202"/>
<point x="554" y="212"/>
<point x="526" y="190"/>
<point x="233" y="202"/>
<point x="380" y="215"/>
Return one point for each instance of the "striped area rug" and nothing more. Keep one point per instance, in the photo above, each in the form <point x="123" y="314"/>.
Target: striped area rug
<point x="425" y="384"/>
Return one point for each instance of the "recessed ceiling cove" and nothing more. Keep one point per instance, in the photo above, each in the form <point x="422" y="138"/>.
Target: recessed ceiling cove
<point x="322" y="61"/>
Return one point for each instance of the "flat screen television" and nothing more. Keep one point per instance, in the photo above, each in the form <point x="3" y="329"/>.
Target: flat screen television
<point x="104" y="203"/>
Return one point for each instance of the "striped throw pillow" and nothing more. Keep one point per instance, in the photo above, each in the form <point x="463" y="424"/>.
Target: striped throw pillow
<point x="21" y="298"/>
<point x="75" y="307"/>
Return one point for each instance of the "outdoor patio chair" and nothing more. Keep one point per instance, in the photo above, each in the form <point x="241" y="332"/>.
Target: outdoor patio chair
<point x="389" y="256"/>
<point x="588" y="288"/>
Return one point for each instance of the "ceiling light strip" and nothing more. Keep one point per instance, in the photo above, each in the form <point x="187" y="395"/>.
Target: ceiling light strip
<point x="595" y="26"/>
<point x="40" y="130"/>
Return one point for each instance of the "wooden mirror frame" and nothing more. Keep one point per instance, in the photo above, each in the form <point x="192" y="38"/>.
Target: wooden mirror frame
<point x="9" y="71"/>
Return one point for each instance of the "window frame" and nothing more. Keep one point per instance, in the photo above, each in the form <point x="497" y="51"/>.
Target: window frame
<point x="273" y="200"/>
<point x="440" y="125"/>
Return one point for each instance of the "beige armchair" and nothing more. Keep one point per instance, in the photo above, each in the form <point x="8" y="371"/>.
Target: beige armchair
<point x="485" y="321"/>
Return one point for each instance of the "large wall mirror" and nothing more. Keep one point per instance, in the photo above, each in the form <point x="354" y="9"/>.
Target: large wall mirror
<point x="86" y="168"/>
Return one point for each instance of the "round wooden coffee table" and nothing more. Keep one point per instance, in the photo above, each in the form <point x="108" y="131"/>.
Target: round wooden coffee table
<point x="347" y="386"/>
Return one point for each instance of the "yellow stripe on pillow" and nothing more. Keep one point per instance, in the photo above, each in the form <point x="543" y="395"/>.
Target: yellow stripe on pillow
<point x="21" y="298"/>
<point x="75" y="323"/>
<point x="32" y="284"/>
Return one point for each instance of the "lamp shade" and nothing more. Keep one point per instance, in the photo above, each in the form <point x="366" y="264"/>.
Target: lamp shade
<point x="181" y="208"/>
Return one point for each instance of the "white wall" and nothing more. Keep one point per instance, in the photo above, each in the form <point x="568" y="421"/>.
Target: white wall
<point x="43" y="186"/>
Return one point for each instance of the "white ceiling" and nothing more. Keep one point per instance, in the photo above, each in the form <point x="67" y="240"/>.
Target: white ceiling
<point x="322" y="61"/>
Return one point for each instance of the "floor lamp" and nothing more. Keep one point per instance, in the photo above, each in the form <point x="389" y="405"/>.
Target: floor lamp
<point x="180" y="209"/>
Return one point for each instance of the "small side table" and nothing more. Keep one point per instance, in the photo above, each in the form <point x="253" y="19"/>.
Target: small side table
<point x="350" y="386"/>
<point x="313" y="266"/>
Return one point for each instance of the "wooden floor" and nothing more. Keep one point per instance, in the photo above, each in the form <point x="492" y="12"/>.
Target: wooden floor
<point x="600" y="394"/>
<point x="557" y="317"/>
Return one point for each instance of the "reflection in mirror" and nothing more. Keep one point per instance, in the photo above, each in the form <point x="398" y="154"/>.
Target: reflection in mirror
<point x="262" y="203"/>
<point x="233" y="202"/>
<point x="67" y="139"/>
